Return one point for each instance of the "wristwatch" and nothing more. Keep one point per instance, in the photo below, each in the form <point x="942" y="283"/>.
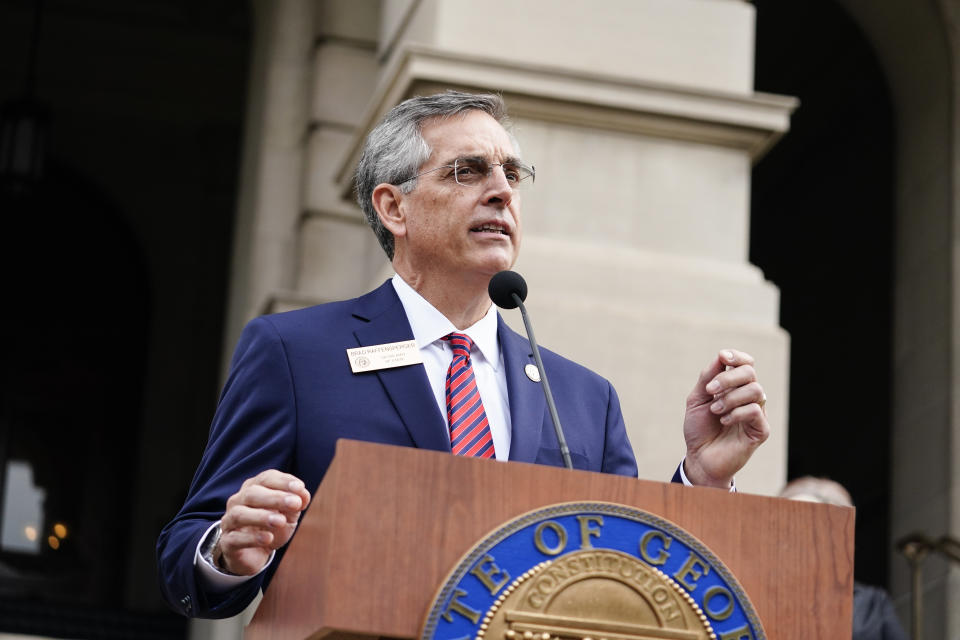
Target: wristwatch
<point x="210" y="550"/>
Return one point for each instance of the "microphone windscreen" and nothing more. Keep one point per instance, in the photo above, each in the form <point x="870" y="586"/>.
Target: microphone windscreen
<point x="502" y="287"/>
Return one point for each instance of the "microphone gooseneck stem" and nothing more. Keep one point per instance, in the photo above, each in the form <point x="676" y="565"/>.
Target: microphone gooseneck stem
<point x="548" y="394"/>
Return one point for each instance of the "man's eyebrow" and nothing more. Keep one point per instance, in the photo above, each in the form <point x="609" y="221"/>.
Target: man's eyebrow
<point x="451" y="159"/>
<point x="477" y="158"/>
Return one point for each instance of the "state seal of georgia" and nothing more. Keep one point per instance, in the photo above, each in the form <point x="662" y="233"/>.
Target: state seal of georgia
<point x="590" y="571"/>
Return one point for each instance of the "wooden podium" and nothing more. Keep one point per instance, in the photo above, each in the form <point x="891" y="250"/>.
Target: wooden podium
<point x="388" y="524"/>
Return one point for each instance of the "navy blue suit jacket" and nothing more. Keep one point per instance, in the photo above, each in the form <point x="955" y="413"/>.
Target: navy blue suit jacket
<point x="291" y="394"/>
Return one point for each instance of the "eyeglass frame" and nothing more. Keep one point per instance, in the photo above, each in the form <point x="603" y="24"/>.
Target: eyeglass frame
<point x="531" y="168"/>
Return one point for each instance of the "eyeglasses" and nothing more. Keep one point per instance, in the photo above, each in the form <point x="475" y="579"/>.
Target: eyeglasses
<point x="469" y="172"/>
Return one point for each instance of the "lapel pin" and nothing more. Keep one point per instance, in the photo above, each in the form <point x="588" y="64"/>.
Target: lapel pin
<point x="532" y="372"/>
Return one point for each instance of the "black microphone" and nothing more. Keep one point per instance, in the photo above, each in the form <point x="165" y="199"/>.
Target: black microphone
<point x="502" y="287"/>
<point x="508" y="290"/>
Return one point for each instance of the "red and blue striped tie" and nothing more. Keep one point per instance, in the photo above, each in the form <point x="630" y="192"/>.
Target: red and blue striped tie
<point x="469" y="429"/>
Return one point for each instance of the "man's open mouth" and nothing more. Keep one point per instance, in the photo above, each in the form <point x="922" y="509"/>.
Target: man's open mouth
<point x="491" y="228"/>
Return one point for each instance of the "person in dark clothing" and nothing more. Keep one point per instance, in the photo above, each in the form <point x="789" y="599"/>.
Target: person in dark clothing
<point x="874" y="617"/>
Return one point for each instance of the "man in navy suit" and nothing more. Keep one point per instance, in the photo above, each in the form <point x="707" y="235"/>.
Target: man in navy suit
<point x="440" y="183"/>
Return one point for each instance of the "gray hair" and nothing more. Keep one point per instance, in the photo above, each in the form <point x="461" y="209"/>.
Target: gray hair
<point x="811" y="489"/>
<point x="395" y="149"/>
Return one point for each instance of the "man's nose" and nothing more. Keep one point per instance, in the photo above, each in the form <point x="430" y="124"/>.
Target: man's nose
<point x="498" y="187"/>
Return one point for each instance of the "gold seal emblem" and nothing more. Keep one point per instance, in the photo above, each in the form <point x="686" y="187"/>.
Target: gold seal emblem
<point x="590" y="571"/>
<point x="595" y="594"/>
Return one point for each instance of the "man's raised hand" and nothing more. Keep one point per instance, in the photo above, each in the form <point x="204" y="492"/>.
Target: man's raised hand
<point x="725" y="419"/>
<point x="260" y="518"/>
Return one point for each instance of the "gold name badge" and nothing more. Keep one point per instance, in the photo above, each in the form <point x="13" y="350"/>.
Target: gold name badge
<point x="384" y="356"/>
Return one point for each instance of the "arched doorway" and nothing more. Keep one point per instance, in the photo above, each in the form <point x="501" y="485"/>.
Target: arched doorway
<point x="115" y="271"/>
<point x="74" y="330"/>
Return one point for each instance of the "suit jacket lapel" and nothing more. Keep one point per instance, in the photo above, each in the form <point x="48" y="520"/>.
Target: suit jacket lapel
<point x="527" y="405"/>
<point x="384" y="321"/>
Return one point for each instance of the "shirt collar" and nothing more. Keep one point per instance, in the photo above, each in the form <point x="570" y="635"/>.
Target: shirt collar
<point x="429" y="325"/>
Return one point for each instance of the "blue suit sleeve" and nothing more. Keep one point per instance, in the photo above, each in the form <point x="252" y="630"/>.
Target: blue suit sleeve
<point x="676" y="476"/>
<point x="618" y="455"/>
<point x="254" y="429"/>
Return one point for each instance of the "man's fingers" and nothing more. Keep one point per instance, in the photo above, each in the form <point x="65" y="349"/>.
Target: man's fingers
<point x="240" y="516"/>
<point x="245" y="551"/>
<point x="298" y="488"/>
<point x="263" y="498"/>
<point x="734" y="358"/>
<point x="237" y="539"/>
<point x="738" y="397"/>
<point x="263" y="514"/>
<point x="273" y="479"/>
<point x="731" y="379"/>
<point x="699" y="394"/>
<point x="273" y="489"/>
<point x="246" y="528"/>
<point x="279" y="481"/>
<point x="293" y="484"/>
<point x="713" y="380"/>
<point x="753" y="420"/>
<point x="710" y="372"/>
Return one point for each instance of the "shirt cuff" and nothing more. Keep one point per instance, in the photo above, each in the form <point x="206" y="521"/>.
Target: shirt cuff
<point x="683" y="478"/>
<point x="213" y="578"/>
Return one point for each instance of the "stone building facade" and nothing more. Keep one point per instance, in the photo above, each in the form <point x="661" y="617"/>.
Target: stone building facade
<point x="644" y="123"/>
<point x="649" y="134"/>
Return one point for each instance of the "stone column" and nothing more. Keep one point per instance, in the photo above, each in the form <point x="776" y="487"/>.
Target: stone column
<point x="338" y="255"/>
<point x="271" y="174"/>
<point x="270" y="200"/>
<point x="641" y="119"/>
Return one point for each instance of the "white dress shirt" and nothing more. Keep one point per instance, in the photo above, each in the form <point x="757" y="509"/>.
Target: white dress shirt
<point x="429" y="326"/>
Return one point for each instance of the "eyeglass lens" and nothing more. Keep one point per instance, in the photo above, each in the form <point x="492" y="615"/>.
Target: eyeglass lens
<point x="472" y="171"/>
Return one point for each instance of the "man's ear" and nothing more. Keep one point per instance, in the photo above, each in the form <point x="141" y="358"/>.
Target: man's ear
<point x="387" y="200"/>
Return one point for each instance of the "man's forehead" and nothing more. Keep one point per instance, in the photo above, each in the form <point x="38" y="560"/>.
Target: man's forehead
<point x="460" y="119"/>
<point x="472" y="132"/>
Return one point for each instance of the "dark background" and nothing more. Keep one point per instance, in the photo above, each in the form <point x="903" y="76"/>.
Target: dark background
<point x="822" y="230"/>
<point x="114" y="265"/>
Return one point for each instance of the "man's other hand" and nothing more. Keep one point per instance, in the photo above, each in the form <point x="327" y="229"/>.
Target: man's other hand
<point x="725" y="420"/>
<point x="260" y="518"/>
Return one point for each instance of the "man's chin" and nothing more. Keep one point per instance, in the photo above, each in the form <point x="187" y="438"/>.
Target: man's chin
<point x="485" y="264"/>
<point x="501" y="263"/>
